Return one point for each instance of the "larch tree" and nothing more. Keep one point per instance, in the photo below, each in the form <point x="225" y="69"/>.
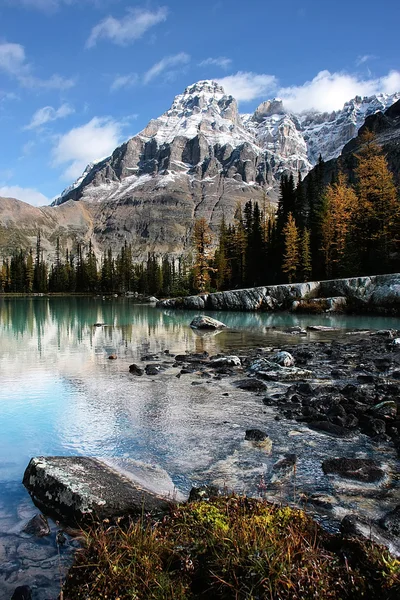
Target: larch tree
<point x="377" y="218"/>
<point x="291" y="257"/>
<point x="340" y="202"/>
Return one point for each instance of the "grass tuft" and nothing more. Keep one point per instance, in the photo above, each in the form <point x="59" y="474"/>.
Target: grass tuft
<point x="230" y="548"/>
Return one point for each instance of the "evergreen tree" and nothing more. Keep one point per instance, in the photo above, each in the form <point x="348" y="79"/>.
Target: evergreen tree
<point x="306" y="266"/>
<point x="377" y="215"/>
<point x="202" y="245"/>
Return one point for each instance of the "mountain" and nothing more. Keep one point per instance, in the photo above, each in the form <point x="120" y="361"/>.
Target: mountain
<point x="199" y="159"/>
<point x="386" y="128"/>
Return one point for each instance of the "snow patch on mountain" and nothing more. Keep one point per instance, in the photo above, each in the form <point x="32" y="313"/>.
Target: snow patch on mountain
<point x="203" y="135"/>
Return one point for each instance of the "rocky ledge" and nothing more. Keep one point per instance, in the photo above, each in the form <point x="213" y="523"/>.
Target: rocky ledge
<point x="376" y="293"/>
<point x="81" y="489"/>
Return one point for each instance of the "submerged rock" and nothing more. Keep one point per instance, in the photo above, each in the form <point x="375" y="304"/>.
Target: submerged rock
<point x="391" y="521"/>
<point x="22" y="592"/>
<point x="136" y="370"/>
<point x="204" y="322"/>
<point x="37" y="526"/>
<point x="357" y="469"/>
<point x="78" y="489"/>
<point x="153" y="369"/>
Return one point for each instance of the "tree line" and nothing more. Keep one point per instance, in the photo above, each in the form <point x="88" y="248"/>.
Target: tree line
<point x="350" y="227"/>
<point x="347" y="228"/>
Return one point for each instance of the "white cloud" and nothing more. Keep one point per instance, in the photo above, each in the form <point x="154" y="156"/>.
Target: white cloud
<point x="87" y="143"/>
<point x="364" y="58"/>
<point x="124" y="81"/>
<point x="12" y="58"/>
<point x="13" y="61"/>
<point x="163" y="67"/>
<point x="329" y="91"/>
<point x="246" y="86"/>
<point x="48" y="114"/>
<point x="221" y="61"/>
<point x="129" y="28"/>
<point x="29" y="195"/>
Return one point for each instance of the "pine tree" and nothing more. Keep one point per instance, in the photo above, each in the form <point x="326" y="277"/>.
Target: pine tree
<point x="306" y="266"/>
<point x="291" y="257"/>
<point x="202" y="239"/>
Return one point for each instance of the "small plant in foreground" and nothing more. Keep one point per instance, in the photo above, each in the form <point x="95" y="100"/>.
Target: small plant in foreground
<point x="230" y="548"/>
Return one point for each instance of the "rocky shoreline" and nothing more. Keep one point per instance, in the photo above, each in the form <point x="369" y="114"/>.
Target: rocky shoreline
<point x="375" y="294"/>
<point x="341" y="392"/>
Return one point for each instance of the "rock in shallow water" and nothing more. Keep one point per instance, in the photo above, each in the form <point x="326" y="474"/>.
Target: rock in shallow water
<point x="358" y="469"/>
<point x="391" y="522"/>
<point x="76" y="489"/>
<point x="204" y="322"/>
<point x="22" y="592"/>
<point x="136" y="370"/>
<point x="38" y="526"/>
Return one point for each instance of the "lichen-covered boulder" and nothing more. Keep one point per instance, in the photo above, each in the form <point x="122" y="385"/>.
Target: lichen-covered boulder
<point x="81" y="489"/>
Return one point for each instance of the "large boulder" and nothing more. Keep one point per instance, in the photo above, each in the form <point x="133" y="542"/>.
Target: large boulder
<point x="78" y="489"/>
<point x="204" y="322"/>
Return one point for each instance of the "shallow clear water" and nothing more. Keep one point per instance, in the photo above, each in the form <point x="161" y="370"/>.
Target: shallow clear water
<point x="61" y="395"/>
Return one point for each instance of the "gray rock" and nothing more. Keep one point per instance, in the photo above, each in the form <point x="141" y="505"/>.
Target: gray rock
<point x="386" y="409"/>
<point x="284" y="359"/>
<point x="251" y="384"/>
<point x="226" y="361"/>
<point x="79" y="489"/>
<point x="37" y="526"/>
<point x="357" y="469"/>
<point x="255" y="435"/>
<point x="136" y="370"/>
<point x="153" y="369"/>
<point x="204" y="322"/>
<point x="329" y="428"/>
<point x="274" y="372"/>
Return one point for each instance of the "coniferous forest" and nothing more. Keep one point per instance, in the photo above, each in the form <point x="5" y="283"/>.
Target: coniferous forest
<point x="348" y="227"/>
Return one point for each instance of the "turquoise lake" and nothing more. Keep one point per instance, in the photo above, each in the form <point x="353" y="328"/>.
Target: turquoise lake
<point x="61" y="395"/>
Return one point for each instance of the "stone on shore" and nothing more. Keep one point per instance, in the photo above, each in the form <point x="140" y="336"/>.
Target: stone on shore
<point x="78" y="489"/>
<point x="204" y="322"/>
<point x="225" y="361"/>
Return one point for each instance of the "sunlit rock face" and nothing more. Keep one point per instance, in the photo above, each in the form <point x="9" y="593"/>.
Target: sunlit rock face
<point x="198" y="159"/>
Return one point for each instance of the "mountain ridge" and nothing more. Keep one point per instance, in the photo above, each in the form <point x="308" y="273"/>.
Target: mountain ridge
<point x="199" y="159"/>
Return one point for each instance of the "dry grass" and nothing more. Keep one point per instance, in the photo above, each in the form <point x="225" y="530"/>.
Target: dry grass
<point x="230" y="548"/>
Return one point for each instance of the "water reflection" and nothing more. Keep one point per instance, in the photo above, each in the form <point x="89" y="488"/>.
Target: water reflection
<point x="60" y="395"/>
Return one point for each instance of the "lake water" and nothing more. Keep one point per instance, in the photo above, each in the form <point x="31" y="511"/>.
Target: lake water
<point x="61" y="395"/>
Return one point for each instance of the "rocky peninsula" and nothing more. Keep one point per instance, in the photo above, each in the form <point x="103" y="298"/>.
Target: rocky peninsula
<point x="376" y="294"/>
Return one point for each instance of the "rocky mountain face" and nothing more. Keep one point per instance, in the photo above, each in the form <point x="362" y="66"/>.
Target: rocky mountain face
<point x="386" y="127"/>
<point x="198" y="159"/>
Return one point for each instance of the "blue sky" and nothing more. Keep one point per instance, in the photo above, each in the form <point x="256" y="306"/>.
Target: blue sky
<point x="78" y="77"/>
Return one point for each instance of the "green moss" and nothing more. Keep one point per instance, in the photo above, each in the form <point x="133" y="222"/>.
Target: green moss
<point x="230" y="548"/>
